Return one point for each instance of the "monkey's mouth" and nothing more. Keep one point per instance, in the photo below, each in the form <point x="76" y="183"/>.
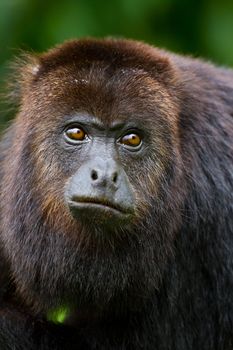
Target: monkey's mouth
<point x="97" y="207"/>
<point x="99" y="203"/>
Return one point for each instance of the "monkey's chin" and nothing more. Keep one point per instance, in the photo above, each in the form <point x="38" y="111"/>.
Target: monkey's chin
<point x="99" y="212"/>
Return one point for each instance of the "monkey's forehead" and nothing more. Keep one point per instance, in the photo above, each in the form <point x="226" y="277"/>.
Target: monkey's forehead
<point x="99" y="92"/>
<point x="109" y="55"/>
<point x="117" y="53"/>
<point x="101" y="77"/>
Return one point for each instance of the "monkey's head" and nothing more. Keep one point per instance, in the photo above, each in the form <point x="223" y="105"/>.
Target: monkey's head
<point x="91" y="165"/>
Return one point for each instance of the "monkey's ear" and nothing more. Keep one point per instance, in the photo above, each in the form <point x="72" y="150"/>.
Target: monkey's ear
<point x="22" y="72"/>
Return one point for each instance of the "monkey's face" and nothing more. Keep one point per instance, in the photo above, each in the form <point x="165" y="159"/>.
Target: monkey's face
<point x="100" y="190"/>
<point x="108" y="139"/>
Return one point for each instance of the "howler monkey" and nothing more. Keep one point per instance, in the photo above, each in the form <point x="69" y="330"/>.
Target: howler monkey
<point x="117" y="201"/>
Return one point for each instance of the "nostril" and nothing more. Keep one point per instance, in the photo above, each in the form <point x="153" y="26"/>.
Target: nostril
<point x="115" y="177"/>
<point x="94" y="175"/>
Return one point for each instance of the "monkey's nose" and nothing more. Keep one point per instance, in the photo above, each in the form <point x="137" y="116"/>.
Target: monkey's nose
<point x="105" y="174"/>
<point x="99" y="175"/>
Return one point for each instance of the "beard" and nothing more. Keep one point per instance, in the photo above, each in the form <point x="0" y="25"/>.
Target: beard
<point x="92" y="267"/>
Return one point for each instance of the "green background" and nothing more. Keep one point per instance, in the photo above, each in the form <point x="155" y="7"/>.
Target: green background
<point x="201" y="28"/>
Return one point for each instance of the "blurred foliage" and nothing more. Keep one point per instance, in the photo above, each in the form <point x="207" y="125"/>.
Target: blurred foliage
<point x="59" y="315"/>
<point x="198" y="27"/>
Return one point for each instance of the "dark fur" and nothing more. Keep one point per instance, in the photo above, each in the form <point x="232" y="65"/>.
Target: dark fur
<point x="163" y="282"/>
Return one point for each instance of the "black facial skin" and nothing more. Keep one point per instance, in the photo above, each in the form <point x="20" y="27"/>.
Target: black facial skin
<point x="100" y="186"/>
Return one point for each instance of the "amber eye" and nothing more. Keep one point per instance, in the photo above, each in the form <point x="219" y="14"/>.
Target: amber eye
<point x="132" y="140"/>
<point x="75" y="134"/>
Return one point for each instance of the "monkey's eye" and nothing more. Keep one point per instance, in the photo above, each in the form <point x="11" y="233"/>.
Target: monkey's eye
<point x="131" y="140"/>
<point x="75" y="134"/>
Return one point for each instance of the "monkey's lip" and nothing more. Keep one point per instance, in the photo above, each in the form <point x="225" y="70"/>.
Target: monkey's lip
<point x="98" y="204"/>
